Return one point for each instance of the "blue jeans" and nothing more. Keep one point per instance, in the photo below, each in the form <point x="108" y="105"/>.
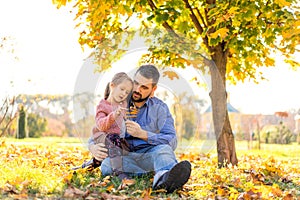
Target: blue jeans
<point x="158" y="159"/>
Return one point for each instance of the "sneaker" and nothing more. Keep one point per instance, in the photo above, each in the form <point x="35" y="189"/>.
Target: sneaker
<point x="174" y="178"/>
<point x="90" y="165"/>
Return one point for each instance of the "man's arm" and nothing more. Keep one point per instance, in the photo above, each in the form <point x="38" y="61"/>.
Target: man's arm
<point x="167" y="133"/>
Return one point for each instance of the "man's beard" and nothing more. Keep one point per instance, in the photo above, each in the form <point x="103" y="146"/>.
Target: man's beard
<point x="140" y="99"/>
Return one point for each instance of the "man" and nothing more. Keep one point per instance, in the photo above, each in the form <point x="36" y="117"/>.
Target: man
<point x="151" y="136"/>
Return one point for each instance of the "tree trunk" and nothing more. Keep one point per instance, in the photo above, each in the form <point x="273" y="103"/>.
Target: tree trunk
<point x="22" y="124"/>
<point x="224" y="136"/>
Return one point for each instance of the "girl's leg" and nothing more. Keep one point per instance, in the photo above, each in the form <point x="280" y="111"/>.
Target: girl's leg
<point x="130" y="167"/>
<point x="113" y="144"/>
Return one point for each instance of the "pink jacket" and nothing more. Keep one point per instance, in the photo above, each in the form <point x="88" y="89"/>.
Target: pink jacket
<point x="106" y="120"/>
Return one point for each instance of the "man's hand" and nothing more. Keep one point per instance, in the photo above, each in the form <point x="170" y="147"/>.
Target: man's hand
<point x="98" y="151"/>
<point x="135" y="130"/>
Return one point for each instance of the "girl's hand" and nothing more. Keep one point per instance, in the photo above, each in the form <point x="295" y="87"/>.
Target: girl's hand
<point x="120" y="111"/>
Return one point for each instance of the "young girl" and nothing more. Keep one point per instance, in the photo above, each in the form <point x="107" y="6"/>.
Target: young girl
<point x="109" y="119"/>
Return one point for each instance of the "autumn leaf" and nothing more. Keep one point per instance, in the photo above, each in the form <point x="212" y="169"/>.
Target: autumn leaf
<point x="222" y="33"/>
<point x="146" y="195"/>
<point x="288" y="197"/>
<point x="283" y="2"/>
<point x="111" y="188"/>
<point x="126" y="183"/>
<point x="72" y="192"/>
<point x="3" y="144"/>
<point x="249" y="195"/>
<point x="10" y="189"/>
<point x="111" y="196"/>
<point x="171" y="74"/>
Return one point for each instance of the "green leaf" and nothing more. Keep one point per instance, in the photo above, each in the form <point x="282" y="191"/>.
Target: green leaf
<point x="127" y="8"/>
<point x="165" y="16"/>
<point x="183" y="27"/>
<point x="150" y="17"/>
<point x="248" y="16"/>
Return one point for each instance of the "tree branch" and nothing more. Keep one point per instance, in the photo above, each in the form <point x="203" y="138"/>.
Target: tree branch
<point x="194" y="18"/>
<point x="7" y="116"/>
<point x="164" y="24"/>
<point x="5" y="103"/>
<point x="169" y="28"/>
<point x="8" y="124"/>
<point x="201" y="17"/>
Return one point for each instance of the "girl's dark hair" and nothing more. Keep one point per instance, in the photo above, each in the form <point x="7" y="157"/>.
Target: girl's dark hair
<point x="117" y="79"/>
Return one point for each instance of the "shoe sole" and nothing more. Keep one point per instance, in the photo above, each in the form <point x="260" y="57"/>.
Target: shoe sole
<point x="178" y="176"/>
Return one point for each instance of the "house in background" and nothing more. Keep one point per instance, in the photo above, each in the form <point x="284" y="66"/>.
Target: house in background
<point x="235" y="118"/>
<point x="245" y="125"/>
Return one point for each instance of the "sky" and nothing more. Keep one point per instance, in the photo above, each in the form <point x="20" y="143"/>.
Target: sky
<point x="50" y="59"/>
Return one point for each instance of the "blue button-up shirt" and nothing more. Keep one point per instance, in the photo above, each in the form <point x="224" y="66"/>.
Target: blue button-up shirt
<point x="155" y="118"/>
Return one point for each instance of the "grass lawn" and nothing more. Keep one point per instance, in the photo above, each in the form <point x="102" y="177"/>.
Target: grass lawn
<point x="40" y="168"/>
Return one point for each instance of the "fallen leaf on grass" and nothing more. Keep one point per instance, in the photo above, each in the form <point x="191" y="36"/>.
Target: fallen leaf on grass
<point x="72" y="192"/>
<point x="183" y="193"/>
<point x="286" y="179"/>
<point x="137" y="192"/>
<point x="111" y="188"/>
<point x="126" y="183"/>
<point x="276" y="191"/>
<point x="147" y="194"/>
<point x="288" y="197"/>
<point x="160" y="190"/>
<point x="19" y="196"/>
<point x="114" y="197"/>
<point x="10" y="189"/>
<point x="249" y="195"/>
<point x="106" y="180"/>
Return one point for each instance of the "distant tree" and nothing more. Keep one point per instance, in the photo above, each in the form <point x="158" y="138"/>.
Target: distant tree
<point x="55" y="127"/>
<point x="40" y="104"/>
<point x="36" y="125"/>
<point x="22" y="124"/>
<point x="283" y="134"/>
<point x="277" y="134"/>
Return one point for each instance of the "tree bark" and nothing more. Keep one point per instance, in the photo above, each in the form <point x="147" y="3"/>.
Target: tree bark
<point x="224" y="136"/>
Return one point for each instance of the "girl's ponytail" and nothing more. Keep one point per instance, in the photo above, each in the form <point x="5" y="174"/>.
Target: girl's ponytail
<point x="107" y="91"/>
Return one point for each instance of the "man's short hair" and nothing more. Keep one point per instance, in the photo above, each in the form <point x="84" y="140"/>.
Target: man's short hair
<point x="149" y="72"/>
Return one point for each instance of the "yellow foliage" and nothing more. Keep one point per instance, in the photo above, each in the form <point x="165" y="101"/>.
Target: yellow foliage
<point x="222" y="32"/>
<point x="283" y="3"/>
<point x="269" y="62"/>
<point x="45" y="169"/>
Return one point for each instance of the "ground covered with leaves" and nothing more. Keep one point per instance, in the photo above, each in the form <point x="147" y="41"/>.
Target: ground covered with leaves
<point x="41" y="170"/>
